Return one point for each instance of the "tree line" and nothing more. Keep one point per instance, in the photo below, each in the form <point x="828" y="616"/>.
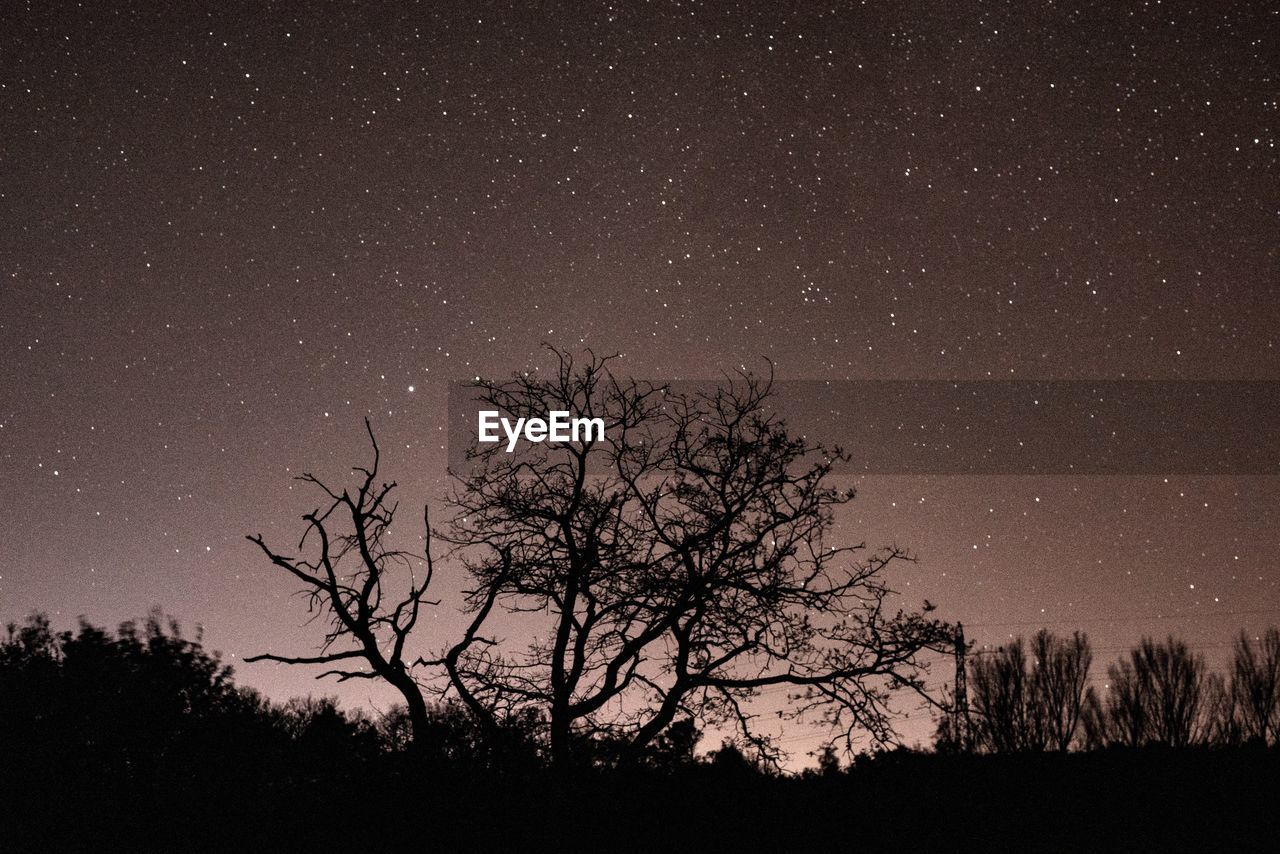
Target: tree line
<point x="1036" y="695"/>
<point x="141" y="738"/>
<point x="146" y="696"/>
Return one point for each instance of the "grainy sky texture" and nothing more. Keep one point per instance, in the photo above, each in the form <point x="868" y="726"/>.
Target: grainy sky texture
<point x="233" y="230"/>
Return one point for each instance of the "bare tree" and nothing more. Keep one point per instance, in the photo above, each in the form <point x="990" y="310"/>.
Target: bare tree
<point x="1159" y="694"/>
<point x="1127" y="708"/>
<point x="1177" y="682"/>
<point x="1021" y="703"/>
<point x="1095" y="731"/>
<point x="348" y="581"/>
<point x="1255" y="686"/>
<point x="998" y="697"/>
<point x="1058" y="681"/>
<point x="675" y="569"/>
<point x="1221" y="718"/>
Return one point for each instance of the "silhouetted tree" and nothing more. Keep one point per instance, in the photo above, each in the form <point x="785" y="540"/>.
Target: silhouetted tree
<point x="947" y="737"/>
<point x="1255" y="686"/>
<point x="322" y="734"/>
<point x="128" y="703"/>
<point x="998" y="697"/>
<point x="1159" y="694"/>
<point x="1095" y="724"/>
<point x="1128" y="706"/>
<point x="1059" y="677"/>
<point x="730" y="759"/>
<point x="828" y="761"/>
<point x="350" y="578"/>
<point x="1220" y="716"/>
<point x="1029" y="704"/>
<point x="454" y="735"/>
<point x="674" y="747"/>
<point x="1177" y="681"/>
<point x="674" y="568"/>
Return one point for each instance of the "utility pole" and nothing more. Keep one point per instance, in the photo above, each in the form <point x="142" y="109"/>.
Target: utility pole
<point x="960" y="714"/>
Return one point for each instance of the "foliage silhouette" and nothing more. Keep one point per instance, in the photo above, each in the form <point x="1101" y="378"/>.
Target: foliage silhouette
<point x="140" y="738"/>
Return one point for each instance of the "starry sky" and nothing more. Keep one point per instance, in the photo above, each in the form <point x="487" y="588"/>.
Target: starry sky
<point x="231" y="231"/>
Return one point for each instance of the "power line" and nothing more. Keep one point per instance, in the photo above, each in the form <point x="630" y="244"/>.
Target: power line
<point x="1115" y="649"/>
<point x="1128" y="618"/>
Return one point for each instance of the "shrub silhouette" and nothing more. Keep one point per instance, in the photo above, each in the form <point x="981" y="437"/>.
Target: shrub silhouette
<point x="139" y="738"/>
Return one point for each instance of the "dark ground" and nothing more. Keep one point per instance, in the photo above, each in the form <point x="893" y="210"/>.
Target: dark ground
<point x="1156" y="800"/>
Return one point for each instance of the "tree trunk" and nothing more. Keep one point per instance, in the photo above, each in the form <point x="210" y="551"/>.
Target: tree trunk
<point x="561" y="743"/>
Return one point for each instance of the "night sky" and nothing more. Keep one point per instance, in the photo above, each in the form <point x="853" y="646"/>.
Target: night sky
<point x="231" y="233"/>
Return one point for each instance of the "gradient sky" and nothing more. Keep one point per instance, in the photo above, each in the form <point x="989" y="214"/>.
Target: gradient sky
<point x="233" y="230"/>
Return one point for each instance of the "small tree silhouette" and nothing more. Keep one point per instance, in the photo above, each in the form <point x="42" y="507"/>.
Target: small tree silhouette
<point x="349" y="579"/>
